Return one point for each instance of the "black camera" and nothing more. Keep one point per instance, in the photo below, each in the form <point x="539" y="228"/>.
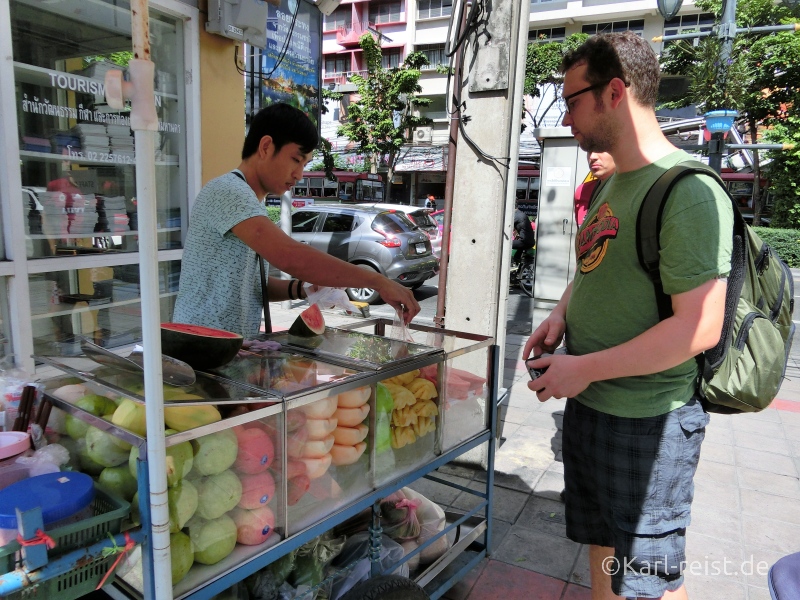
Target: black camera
<point x="538" y="372"/>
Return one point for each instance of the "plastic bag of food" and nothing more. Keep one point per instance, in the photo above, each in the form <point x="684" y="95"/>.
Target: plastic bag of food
<point x="48" y="459"/>
<point x="266" y="583"/>
<point x="432" y="520"/>
<point x="358" y="546"/>
<point x="399" y="516"/>
<point x="329" y="297"/>
<point x="313" y="558"/>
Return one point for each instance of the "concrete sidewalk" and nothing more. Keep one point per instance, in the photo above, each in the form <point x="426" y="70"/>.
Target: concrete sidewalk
<point x="745" y="516"/>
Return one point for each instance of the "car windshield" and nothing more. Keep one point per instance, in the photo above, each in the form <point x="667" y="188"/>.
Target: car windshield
<point x="392" y="222"/>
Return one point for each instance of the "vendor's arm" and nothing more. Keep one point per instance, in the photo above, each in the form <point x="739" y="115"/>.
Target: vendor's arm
<point x="306" y="263"/>
<point x="695" y="326"/>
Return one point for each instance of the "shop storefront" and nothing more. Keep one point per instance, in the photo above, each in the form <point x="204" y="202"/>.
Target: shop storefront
<point x="67" y="175"/>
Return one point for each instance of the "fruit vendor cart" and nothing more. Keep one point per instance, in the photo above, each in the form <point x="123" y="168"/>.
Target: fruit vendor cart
<point x="276" y="447"/>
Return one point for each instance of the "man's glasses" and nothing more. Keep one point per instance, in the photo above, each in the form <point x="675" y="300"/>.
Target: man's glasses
<point x="564" y="101"/>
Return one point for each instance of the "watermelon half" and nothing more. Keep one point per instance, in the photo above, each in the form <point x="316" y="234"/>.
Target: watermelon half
<point x="201" y="347"/>
<point x="309" y="323"/>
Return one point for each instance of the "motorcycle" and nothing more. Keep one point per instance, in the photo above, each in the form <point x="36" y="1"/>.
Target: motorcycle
<point x="522" y="270"/>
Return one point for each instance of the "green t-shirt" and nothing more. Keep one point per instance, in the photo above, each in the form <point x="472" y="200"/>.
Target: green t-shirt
<point x="612" y="298"/>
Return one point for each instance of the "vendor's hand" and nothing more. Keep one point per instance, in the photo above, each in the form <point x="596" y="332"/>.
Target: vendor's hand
<point x="546" y="338"/>
<point x="562" y="378"/>
<point x="400" y="298"/>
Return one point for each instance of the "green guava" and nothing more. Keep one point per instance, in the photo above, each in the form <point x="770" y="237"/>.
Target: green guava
<point x="118" y="482"/>
<point x="212" y="540"/>
<point x="92" y="403"/>
<point x="215" y="452"/>
<point x="104" y="449"/>
<point x="88" y="464"/>
<point x="180" y="459"/>
<point x="218" y="494"/>
<point x="182" y="501"/>
<point x="181" y="555"/>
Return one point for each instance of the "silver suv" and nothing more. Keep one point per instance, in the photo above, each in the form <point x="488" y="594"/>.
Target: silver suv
<point x="371" y="237"/>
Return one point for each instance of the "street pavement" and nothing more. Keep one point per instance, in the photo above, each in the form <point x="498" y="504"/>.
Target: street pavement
<point x="746" y="511"/>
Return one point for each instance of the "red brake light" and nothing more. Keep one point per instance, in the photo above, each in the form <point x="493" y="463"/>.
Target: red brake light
<point x="388" y="242"/>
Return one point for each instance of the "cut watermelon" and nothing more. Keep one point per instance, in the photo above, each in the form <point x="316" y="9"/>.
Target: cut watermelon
<point x="309" y="323"/>
<point x="201" y="347"/>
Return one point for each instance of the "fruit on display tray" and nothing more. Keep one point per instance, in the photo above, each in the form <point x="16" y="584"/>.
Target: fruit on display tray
<point x="200" y="347"/>
<point x="413" y="412"/>
<point x="308" y="323"/>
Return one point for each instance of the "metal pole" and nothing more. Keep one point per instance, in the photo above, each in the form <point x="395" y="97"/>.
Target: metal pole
<point x="449" y="184"/>
<point x="144" y="123"/>
<point x="726" y="33"/>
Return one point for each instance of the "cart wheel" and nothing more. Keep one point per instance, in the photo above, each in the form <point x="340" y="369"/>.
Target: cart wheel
<point x="387" y="587"/>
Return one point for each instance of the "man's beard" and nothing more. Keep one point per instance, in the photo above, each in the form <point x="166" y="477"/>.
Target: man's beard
<point x="603" y="137"/>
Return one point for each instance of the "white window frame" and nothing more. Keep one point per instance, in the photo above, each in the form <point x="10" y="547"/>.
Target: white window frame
<point x="17" y="268"/>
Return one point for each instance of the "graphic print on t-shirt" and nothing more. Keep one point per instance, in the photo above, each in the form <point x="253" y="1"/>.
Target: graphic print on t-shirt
<point x="592" y="242"/>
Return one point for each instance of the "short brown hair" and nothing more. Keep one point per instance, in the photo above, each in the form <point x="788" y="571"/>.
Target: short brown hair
<point x="624" y="55"/>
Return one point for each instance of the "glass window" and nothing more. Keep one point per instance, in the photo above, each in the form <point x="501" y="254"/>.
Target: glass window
<point x="391" y="60"/>
<point x="636" y="26"/>
<point x="303" y="221"/>
<point x="337" y="64"/>
<point x="315" y="189"/>
<point x="385" y="12"/>
<point x="338" y="223"/>
<point x="688" y="23"/>
<point x="428" y="9"/>
<point x="77" y="155"/>
<point x="100" y="303"/>
<point x="556" y="34"/>
<point x="522" y="188"/>
<point x="342" y="17"/>
<point x="392" y="222"/>
<point x="435" y="55"/>
<point x="330" y="189"/>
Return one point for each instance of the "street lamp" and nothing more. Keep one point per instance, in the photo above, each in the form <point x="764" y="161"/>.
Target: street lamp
<point x="669" y="8"/>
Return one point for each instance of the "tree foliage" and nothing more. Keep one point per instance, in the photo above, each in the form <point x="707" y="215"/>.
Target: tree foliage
<point x="542" y="71"/>
<point x="381" y="96"/>
<point x="761" y="78"/>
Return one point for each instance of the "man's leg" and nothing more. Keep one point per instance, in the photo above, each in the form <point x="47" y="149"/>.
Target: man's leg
<point x="600" y="559"/>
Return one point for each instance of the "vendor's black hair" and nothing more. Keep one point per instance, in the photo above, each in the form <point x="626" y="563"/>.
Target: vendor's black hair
<point x="285" y="125"/>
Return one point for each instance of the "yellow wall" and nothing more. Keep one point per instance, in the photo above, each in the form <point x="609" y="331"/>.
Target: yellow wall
<point x="221" y="104"/>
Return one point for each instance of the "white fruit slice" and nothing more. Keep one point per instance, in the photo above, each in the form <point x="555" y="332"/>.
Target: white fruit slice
<point x="354" y="398"/>
<point x="350" y="436"/>
<point x="318" y="448"/>
<point x="321" y="409"/>
<point x="347" y="455"/>
<point x="350" y="417"/>
<point x="317" y="467"/>
<point x="319" y="429"/>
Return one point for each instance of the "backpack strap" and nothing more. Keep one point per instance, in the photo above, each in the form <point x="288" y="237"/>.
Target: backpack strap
<point x="648" y="230"/>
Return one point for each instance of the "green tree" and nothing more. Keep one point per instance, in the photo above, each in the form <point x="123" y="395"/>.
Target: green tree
<point x="542" y="71"/>
<point x="381" y="96"/>
<point x="761" y="74"/>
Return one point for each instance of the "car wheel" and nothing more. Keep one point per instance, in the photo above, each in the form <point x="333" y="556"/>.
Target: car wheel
<point x="387" y="587"/>
<point x="367" y="295"/>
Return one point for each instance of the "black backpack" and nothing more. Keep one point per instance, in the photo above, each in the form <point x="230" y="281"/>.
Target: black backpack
<point x="744" y="371"/>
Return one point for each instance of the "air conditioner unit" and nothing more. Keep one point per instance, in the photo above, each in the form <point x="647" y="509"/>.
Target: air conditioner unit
<point x="423" y="135"/>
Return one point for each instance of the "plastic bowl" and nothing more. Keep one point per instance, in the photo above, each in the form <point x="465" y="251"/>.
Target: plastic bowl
<point x="13" y="443"/>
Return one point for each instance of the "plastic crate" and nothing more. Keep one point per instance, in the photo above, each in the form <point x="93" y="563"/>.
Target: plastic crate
<point x="109" y="512"/>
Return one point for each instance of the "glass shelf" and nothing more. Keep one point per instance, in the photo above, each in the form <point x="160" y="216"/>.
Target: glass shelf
<point x="57" y="309"/>
<point x="93" y="234"/>
<point x="128" y="160"/>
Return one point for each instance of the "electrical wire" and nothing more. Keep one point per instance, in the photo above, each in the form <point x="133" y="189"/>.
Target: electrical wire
<point x="285" y="43"/>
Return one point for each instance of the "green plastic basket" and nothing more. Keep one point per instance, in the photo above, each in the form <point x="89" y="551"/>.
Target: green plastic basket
<point x="109" y="512"/>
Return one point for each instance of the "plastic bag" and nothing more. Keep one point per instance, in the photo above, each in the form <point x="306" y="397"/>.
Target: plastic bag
<point x="328" y="297"/>
<point x="48" y="459"/>
<point x="432" y="520"/>
<point x="399" y="517"/>
<point x="312" y="559"/>
<point x="358" y="545"/>
<point x="399" y="330"/>
<point x="267" y="583"/>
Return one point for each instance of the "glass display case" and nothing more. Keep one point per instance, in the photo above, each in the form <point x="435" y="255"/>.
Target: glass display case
<point x="276" y="442"/>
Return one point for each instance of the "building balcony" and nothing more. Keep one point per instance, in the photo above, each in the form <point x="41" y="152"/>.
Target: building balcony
<point x="349" y="35"/>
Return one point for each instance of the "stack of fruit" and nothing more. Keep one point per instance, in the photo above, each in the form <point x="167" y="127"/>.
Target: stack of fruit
<point x="414" y="410"/>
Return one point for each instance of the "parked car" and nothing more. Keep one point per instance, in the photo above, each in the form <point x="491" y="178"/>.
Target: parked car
<point x="438" y="216"/>
<point x="421" y="217"/>
<point x="371" y="237"/>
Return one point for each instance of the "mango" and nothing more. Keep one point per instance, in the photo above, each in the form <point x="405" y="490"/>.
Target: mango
<point x="131" y="416"/>
<point x="182" y="418"/>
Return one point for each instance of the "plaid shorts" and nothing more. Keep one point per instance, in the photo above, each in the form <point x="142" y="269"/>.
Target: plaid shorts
<point x="629" y="487"/>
